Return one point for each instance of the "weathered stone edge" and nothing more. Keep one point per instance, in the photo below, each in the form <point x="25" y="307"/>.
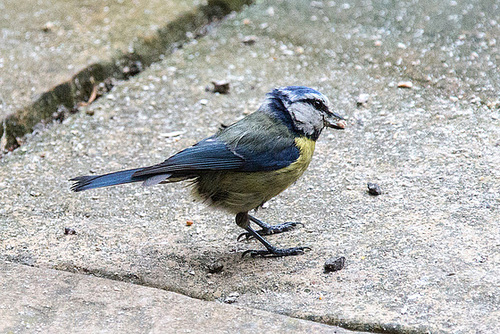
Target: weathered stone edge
<point x="97" y="78"/>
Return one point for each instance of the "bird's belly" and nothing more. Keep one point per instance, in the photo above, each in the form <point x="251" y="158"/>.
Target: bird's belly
<point x="244" y="191"/>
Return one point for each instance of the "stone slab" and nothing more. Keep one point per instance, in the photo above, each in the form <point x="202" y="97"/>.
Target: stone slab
<point x="37" y="300"/>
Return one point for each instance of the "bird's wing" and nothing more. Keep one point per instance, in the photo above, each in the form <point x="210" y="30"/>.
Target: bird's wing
<point x="264" y="154"/>
<point x="214" y="154"/>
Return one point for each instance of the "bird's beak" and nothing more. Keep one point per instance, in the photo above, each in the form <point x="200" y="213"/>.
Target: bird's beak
<point x="332" y="120"/>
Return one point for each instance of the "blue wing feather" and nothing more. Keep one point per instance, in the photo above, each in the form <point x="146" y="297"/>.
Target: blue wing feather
<point x="275" y="158"/>
<point x="208" y="154"/>
<point x="214" y="154"/>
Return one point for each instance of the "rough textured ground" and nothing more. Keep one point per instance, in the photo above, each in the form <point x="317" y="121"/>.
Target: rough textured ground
<point x="47" y="43"/>
<point x="58" y="302"/>
<point x="422" y="257"/>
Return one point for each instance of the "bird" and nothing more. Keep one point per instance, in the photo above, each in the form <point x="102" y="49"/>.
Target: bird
<point x="245" y="164"/>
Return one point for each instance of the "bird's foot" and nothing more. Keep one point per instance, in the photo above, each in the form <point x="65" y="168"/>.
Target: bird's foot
<point x="270" y="229"/>
<point x="276" y="252"/>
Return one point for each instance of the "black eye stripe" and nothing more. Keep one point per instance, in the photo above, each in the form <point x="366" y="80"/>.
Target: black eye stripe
<point x="317" y="104"/>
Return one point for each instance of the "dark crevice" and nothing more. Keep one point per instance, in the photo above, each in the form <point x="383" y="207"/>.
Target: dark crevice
<point x="69" y="96"/>
<point x="367" y="327"/>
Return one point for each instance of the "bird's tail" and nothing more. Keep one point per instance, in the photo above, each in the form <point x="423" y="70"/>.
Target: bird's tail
<point x="111" y="179"/>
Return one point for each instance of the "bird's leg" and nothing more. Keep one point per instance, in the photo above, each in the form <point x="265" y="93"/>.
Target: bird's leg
<point x="243" y="221"/>
<point x="267" y="229"/>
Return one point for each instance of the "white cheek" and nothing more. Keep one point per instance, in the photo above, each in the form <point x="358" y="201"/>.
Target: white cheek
<point x="306" y="118"/>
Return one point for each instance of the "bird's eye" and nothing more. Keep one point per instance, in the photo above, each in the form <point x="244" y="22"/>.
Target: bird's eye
<point x="317" y="104"/>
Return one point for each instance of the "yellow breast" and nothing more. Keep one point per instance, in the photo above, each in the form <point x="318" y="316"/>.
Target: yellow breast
<point x="244" y="191"/>
<point x="306" y="147"/>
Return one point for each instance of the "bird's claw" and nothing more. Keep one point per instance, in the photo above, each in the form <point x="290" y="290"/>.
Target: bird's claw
<point x="276" y="252"/>
<point x="247" y="236"/>
<point x="272" y="229"/>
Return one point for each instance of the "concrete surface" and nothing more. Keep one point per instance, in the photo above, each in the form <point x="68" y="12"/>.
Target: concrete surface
<point x="36" y="300"/>
<point x="46" y="43"/>
<point x="422" y="257"/>
<point x="92" y="81"/>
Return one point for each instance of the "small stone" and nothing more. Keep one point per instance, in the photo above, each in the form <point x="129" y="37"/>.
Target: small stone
<point x="203" y="101"/>
<point x="215" y="267"/>
<point x="69" y="231"/>
<point x="249" y="40"/>
<point x="334" y="264"/>
<point x="221" y="87"/>
<point x="374" y="189"/>
<point x="362" y="99"/>
<point x="48" y="27"/>
<point x="405" y="84"/>
<point x="493" y="104"/>
<point x="233" y="296"/>
<point x="35" y="194"/>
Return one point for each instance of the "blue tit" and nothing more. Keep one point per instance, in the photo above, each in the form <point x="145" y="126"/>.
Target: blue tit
<point x="245" y="164"/>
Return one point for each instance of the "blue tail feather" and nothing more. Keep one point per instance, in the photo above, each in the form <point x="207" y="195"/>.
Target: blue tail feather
<point x="98" y="181"/>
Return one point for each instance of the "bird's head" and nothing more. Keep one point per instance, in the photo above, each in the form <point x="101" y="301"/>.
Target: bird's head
<point x="305" y="108"/>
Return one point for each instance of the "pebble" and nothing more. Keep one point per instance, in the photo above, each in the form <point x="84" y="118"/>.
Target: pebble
<point x="215" y="267"/>
<point x="405" y="84"/>
<point x="374" y="189"/>
<point x="233" y="296"/>
<point x="221" y="87"/>
<point x="69" y="231"/>
<point x="48" y="27"/>
<point x="249" y="40"/>
<point x="362" y="99"/>
<point x="334" y="264"/>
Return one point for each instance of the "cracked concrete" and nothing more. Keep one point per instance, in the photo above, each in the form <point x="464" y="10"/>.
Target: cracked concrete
<point x="424" y="256"/>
